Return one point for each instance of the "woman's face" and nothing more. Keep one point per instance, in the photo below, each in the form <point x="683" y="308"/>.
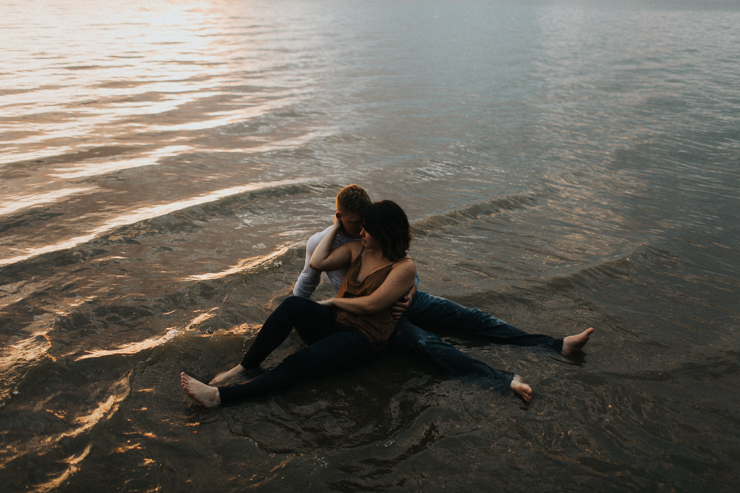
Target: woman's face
<point x="367" y="240"/>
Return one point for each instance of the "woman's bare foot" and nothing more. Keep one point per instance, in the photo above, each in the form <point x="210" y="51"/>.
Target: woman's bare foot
<point x="237" y="371"/>
<point x="571" y="344"/>
<point x="203" y="394"/>
<point x="521" y="388"/>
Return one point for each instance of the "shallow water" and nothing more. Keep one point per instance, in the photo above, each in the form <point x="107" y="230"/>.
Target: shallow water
<point x="564" y="164"/>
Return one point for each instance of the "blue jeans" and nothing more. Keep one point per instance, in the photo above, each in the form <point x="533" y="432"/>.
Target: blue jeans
<point x="435" y="313"/>
<point x="330" y="348"/>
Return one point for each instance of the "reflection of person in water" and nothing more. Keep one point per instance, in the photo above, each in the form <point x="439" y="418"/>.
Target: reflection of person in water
<point x="341" y="332"/>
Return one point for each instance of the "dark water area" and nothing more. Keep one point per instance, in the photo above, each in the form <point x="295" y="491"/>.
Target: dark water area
<point x="564" y="164"/>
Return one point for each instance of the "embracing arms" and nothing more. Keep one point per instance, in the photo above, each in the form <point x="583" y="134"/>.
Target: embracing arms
<point x="326" y="259"/>
<point x="399" y="282"/>
<point x="396" y="289"/>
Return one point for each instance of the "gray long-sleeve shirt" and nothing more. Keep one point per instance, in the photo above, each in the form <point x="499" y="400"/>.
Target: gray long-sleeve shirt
<point x="310" y="278"/>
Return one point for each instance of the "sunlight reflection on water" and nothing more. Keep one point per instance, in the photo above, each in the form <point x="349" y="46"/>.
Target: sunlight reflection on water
<point x="562" y="164"/>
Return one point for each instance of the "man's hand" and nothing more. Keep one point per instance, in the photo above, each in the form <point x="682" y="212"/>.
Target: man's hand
<point x="327" y="302"/>
<point x="400" y="306"/>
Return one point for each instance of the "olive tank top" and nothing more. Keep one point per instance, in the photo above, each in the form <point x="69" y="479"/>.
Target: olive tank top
<point x="377" y="327"/>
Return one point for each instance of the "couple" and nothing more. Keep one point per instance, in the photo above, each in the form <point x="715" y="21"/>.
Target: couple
<point x="377" y="305"/>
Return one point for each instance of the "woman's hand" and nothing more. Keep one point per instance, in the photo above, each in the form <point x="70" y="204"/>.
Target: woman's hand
<point x="328" y="302"/>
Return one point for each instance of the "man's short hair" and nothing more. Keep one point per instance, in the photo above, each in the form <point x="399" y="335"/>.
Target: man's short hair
<point x="352" y="199"/>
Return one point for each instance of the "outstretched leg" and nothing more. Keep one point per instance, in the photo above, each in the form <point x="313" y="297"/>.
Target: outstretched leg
<point x="408" y="337"/>
<point x="453" y="361"/>
<point x="435" y="313"/>
<point x="571" y="344"/>
<point x="203" y="394"/>
<point x="521" y="388"/>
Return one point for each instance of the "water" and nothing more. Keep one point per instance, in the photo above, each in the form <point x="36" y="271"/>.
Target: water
<point x="564" y="164"/>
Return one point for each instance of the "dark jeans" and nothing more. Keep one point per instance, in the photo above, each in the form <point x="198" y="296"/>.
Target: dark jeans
<point x="330" y="348"/>
<point x="435" y="313"/>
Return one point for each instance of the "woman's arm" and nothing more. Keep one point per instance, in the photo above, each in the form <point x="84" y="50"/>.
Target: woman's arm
<point x="398" y="283"/>
<point x="326" y="259"/>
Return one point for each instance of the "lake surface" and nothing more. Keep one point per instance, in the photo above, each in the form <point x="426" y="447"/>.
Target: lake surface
<point x="564" y="164"/>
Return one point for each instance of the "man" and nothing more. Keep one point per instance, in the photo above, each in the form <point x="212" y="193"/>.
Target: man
<point x="422" y="309"/>
<point x="350" y="202"/>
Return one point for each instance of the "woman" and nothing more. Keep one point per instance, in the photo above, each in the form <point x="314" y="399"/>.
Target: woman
<point x="341" y="332"/>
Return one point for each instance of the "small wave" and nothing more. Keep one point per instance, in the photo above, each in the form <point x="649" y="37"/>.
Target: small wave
<point x="254" y="264"/>
<point x="28" y="219"/>
<point x="97" y="168"/>
<point x="132" y="348"/>
<point x="63" y="441"/>
<point x="72" y="325"/>
<point x="69" y="471"/>
<point x="471" y="212"/>
<point x="13" y="204"/>
<point x="156" y="220"/>
<point x="146" y="352"/>
<point x="63" y="155"/>
<point x="615" y="268"/>
<point x="18" y="360"/>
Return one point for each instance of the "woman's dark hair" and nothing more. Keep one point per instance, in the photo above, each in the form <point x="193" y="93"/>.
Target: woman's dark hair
<point x="388" y="224"/>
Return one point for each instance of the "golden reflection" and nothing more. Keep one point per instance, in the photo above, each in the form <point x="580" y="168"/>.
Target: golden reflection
<point x="73" y="468"/>
<point x="142" y="215"/>
<point x="89" y="168"/>
<point x="13" y="204"/>
<point x="121" y="449"/>
<point x="202" y="318"/>
<point x="16" y="356"/>
<point x="229" y="117"/>
<point x="245" y="265"/>
<point x="134" y="347"/>
<point x="104" y="409"/>
<point x="120" y="390"/>
<point x="80" y="71"/>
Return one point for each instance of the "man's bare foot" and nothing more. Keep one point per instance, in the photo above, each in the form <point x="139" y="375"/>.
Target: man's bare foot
<point x="203" y="394"/>
<point x="235" y="372"/>
<point x="521" y="388"/>
<point x="571" y="344"/>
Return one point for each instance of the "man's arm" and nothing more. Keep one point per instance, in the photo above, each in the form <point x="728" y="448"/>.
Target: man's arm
<point x="309" y="278"/>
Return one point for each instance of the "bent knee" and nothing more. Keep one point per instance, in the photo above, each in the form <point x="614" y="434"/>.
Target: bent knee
<point x="292" y="301"/>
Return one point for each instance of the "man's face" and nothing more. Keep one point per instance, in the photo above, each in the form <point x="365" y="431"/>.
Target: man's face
<point x="352" y="224"/>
